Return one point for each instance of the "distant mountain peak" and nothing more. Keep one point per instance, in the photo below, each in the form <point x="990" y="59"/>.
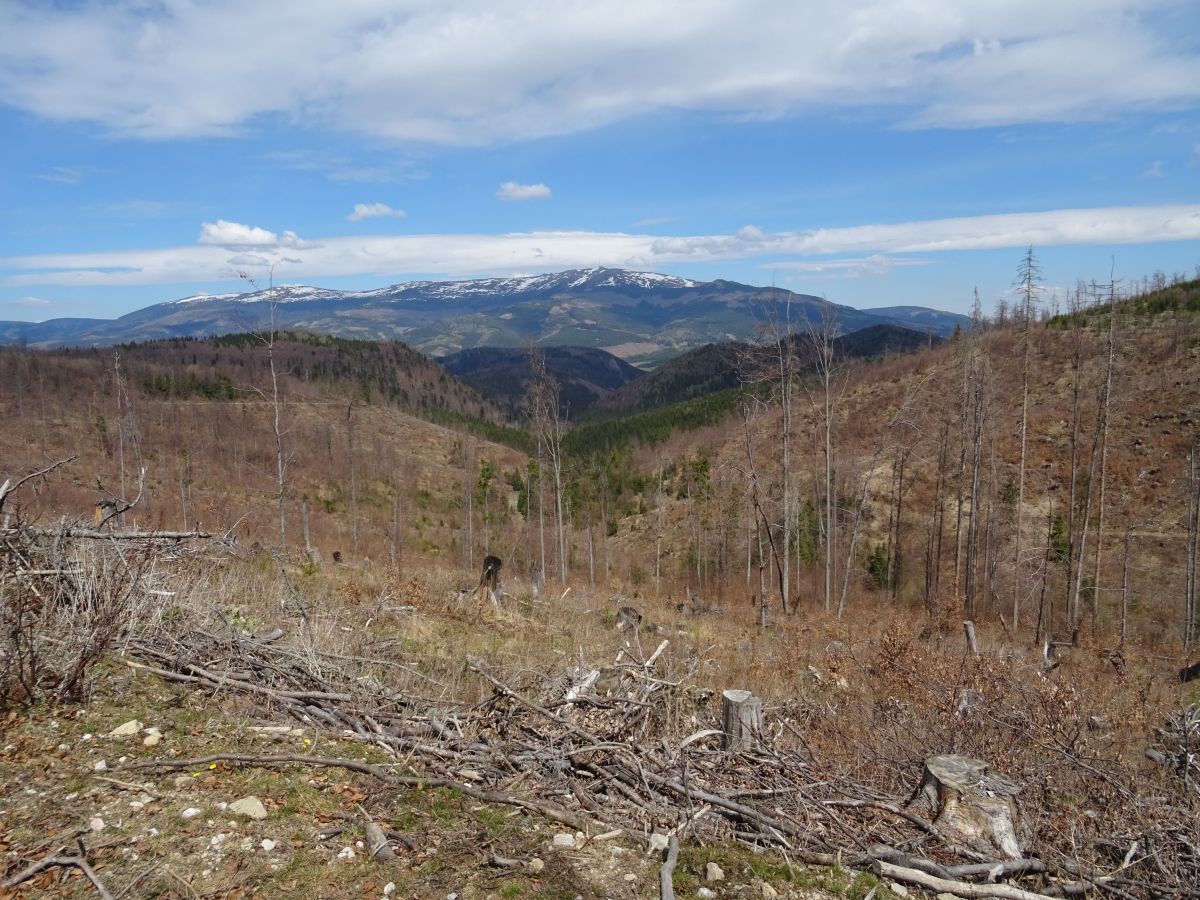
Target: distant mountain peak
<point x="643" y="317"/>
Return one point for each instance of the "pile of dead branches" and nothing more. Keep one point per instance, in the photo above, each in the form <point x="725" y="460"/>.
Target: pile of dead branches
<point x="634" y="747"/>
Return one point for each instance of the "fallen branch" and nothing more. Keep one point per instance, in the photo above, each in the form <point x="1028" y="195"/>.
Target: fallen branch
<point x="57" y="858"/>
<point x="958" y="888"/>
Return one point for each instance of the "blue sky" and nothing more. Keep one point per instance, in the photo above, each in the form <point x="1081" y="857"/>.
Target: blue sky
<point x="876" y="153"/>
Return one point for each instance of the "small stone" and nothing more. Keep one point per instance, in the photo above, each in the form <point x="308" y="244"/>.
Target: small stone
<point x="629" y="876"/>
<point x="222" y="806"/>
<point x="136" y="804"/>
<point x="946" y="896"/>
<point x="64" y="747"/>
<point x="100" y="766"/>
<point x="897" y="888"/>
<point x="658" y="843"/>
<point x="713" y="872"/>
<point x="535" y="865"/>
<point x="346" y="854"/>
<point x="250" y="807"/>
<point x="268" y="845"/>
<point x="152" y="738"/>
<point x="389" y="889"/>
<point x="181" y="780"/>
<point x="129" y="729"/>
<point x="706" y="893"/>
<point x="95" y="823"/>
<point x="766" y="891"/>
<point x="190" y="813"/>
<point x="563" y="841"/>
<point x="86" y="738"/>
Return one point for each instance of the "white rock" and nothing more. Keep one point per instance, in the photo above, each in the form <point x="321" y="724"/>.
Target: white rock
<point x="897" y="888"/>
<point x="64" y="747"/>
<point x="267" y="844"/>
<point x="87" y="737"/>
<point x="217" y="840"/>
<point x="100" y="766"/>
<point x="389" y="889"/>
<point x="658" y="843"/>
<point x="563" y="841"/>
<point x="629" y="876"/>
<point x="129" y="729"/>
<point x="713" y="872"/>
<point x="250" y="807"/>
<point x="96" y="823"/>
<point x="222" y="806"/>
<point x="152" y="738"/>
<point x="768" y="891"/>
<point x="346" y="854"/>
<point x="136" y="804"/>
<point x="536" y="865"/>
<point x="706" y="893"/>
<point x="190" y="813"/>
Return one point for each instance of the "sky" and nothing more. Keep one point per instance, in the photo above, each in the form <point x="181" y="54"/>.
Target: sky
<point x="875" y="153"/>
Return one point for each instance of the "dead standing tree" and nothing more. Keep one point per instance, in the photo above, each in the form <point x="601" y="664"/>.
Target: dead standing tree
<point x="823" y="334"/>
<point x="278" y="432"/>
<point x="543" y="404"/>
<point x="1029" y="278"/>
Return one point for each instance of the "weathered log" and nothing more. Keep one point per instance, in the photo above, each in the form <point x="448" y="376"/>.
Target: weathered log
<point x="741" y="720"/>
<point x="666" y="875"/>
<point x="377" y="843"/>
<point x="970" y="804"/>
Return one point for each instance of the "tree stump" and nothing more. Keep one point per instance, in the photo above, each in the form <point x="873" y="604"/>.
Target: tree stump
<point x="741" y="720"/>
<point x="971" y="805"/>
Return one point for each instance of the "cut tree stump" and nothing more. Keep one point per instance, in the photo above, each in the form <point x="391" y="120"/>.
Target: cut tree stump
<point x="741" y="720"/>
<point x="970" y="804"/>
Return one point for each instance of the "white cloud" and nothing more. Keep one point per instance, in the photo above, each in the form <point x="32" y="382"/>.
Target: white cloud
<point x="253" y="260"/>
<point x="874" y="265"/>
<point x="31" y="301"/>
<point x="511" y="190"/>
<point x="1154" y="170"/>
<point x="543" y="251"/>
<point x="373" y="211"/>
<point x="468" y="72"/>
<point x="234" y="234"/>
<point x="62" y="175"/>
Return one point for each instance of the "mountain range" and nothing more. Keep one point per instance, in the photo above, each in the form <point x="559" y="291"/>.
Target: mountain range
<point x="643" y="317"/>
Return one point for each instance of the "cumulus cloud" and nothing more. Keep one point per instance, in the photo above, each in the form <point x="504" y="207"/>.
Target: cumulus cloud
<point x="511" y="190"/>
<point x="373" y="211"/>
<point x="462" y="72"/>
<point x="460" y="254"/>
<point x="234" y="234"/>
